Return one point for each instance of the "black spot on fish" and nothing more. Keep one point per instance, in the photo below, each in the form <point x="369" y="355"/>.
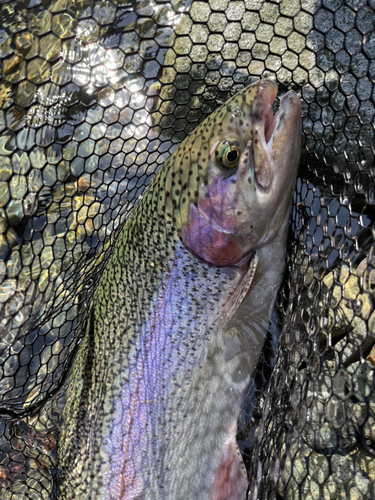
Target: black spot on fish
<point x="205" y="148"/>
<point x="256" y="141"/>
<point x="256" y="131"/>
<point x="183" y="200"/>
<point x="173" y="183"/>
<point x="200" y="166"/>
<point x="196" y="194"/>
<point x="197" y="178"/>
<point x="241" y="122"/>
<point x="190" y="172"/>
<point x="184" y="186"/>
<point x="186" y="157"/>
<point x="231" y="120"/>
<point x="177" y="192"/>
<point x="216" y="153"/>
<point x="233" y="181"/>
<point x="249" y="180"/>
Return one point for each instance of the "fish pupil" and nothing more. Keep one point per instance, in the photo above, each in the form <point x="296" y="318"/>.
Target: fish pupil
<point x="232" y="155"/>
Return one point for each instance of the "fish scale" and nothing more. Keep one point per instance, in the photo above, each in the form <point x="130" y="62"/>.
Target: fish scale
<point x="118" y="362"/>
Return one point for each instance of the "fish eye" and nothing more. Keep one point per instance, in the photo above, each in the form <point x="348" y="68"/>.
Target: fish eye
<point x="231" y="156"/>
<point x="228" y="153"/>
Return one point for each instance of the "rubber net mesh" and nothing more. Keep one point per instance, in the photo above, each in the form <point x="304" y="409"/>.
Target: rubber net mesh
<point x="94" y="97"/>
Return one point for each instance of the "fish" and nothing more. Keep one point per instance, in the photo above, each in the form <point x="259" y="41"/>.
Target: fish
<point x="180" y="314"/>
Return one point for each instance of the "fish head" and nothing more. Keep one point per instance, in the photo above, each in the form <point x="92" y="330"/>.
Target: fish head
<point x="230" y="183"/>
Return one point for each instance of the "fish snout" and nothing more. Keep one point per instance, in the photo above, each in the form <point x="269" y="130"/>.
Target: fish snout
<point x="263" y="126"/>
<point x="267" y="92"/>
<point x="285" y="143"/>
<point x="276" y="138"/>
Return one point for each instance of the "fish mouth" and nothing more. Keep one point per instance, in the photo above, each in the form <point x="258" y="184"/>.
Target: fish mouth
<point x="263" y="108"/>
<point x="271" y="123"/>
<point x="267" y="126"/>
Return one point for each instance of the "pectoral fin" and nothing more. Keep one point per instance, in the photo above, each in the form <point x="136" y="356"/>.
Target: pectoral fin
<point x="231" y="479"/>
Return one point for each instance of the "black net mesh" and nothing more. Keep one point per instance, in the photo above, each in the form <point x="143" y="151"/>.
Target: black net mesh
<point x="94" y="97"/>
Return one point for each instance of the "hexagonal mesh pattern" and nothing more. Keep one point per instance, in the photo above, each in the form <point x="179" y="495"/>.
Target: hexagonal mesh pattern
<point x="94" y="97"/>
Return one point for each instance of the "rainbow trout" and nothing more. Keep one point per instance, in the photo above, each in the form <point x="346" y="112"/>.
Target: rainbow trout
<point x="180" y="314"/>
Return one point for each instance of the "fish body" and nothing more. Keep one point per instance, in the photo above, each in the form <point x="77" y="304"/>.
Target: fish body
<point x="158" y="381"/>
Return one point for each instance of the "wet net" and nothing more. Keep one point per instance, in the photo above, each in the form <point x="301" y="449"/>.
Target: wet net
<point x="94" y="97"/>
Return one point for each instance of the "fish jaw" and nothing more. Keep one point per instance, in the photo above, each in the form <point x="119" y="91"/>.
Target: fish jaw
<point x="238" y="210"/>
